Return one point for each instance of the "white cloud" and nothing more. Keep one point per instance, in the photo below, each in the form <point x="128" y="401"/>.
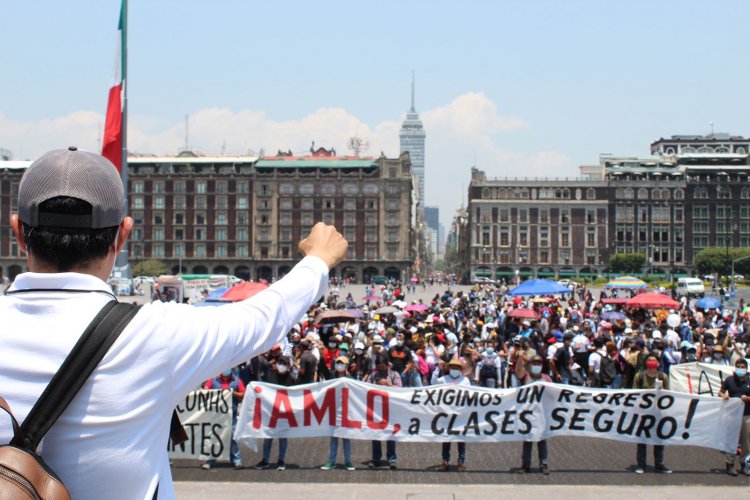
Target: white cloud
<point x="469" y="127"/>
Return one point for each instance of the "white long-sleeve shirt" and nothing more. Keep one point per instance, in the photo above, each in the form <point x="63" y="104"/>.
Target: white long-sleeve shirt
<point x="111" y="442"/>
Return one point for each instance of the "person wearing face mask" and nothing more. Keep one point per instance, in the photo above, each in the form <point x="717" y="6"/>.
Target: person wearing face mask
<point x="453" y="374"/>
<point x="718" y="357"/>
<point x="534" y="373"/>
<point x="359" y="363"/>
<point x="400" y="356"/>
<point x="340" y="366"/>
<point x="488" y="372"/>
<point x="228" y="381"/>
<point x="383" y="375"/>
<point x="651" y="378"/>
<point x="330" y="353"/>
<point x="738" y="386"/>
<point x="282" y="375"/>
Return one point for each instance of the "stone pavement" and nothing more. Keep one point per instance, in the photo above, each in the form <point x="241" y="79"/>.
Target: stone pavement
<point x="338" y="491"/>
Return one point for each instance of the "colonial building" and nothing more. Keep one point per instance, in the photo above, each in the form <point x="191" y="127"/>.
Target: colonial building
<point x="693" y="194"/>
<point x="245" y="215"/>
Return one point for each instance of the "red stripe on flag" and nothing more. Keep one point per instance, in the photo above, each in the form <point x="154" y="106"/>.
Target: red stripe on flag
<point x="112" y="142"/>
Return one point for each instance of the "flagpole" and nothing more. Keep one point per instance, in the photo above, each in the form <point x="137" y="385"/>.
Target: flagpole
<point x="125" y="249"/>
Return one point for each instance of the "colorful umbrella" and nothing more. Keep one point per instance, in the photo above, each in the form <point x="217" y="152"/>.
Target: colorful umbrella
<point x="523" y="313"/>
<point x="243" y="291"/>
<point x="614" y="315"/>
<point x="626" y="282"/>
<point x="539" y="287"/>
<point x="370" y="297"/>
<point x="653" y="301"/>
<point x="615" y="301"/>
<point x="387" y="310"/>
<point x="416" y="308"/>
<point x="414" y="279"/>
<point x="708" y="303"/>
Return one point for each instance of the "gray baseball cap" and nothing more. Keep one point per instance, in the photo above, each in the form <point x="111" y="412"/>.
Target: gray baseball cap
<point x="75" y="174"/>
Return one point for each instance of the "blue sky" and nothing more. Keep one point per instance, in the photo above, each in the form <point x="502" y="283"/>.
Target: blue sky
<point x="531" y="87"/>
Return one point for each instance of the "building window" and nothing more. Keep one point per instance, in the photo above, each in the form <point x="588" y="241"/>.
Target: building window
<point x="200" y="217"/>
<point x="700" y="212"/>
<point x="350" y="204"/>
<point x="157" y="233"/>
<point x="701" y="193"/>
<point x="221" y="234"/>
<point x="179" y="202"/>
<point x="221" y="186"/>
<point x="285" y="234"/>
<point x="221" y="202"/>
<point x="138" y="187"/>
<point x="200" y="202"/>
<point x="543" y="236"/>
<point x="723" y="193"/>
<point x="591" y="237"/>
<point x="179" y="234"/>
<point x="371" y="204"/>
<point x="504" y="215"/>
<point x="200" y="233"/>
<point x="564" y="216"/>
<point x="158" y="186"/>
<point x="243" y="217"/>
<point x="590" y="216"/>
<point x="350" y="234"/>
<point x="200" y="187"/>
<point x="137" y="202"/>
<point x="285" y="203"/>
<point x="241" y="250"/>
<point x="590" y="194"/>
<point x="504" y="236"/>
<point x="523" y="215"/>
<point x="221" y="218"/>
<point x="286" y="188"/>
<point x="158" y="218"/>
<point x="221" y="250"/>
<point x="158" y="250"/>
<point x="564" y="237"/>
<point x="138" y="217"/>
<point x="306" y="204"/>
<point x="179" y="186"/>
<point x="242" y="202"/>
<point x="200" y="250"/>
<point x="243" y="187"/>
<point x="544" y="256"/>
<point x="242" y="234"/>
<point x="543" y="215"/>
<point x="328" y="218"/>
<point x="307" y="219"/>
<point x="306" y="189"/>
<point x="159" y="202"/>
<point x="679" y="194"/>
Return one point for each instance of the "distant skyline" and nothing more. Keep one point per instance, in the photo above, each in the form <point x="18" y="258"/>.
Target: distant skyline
<point x="519" y="88"/>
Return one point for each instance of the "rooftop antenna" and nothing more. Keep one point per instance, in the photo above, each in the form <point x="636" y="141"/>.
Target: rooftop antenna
<point x="712" y="128"/>
<point x="412" y="92"/>
<point x="357" y="144"/>
<point x="187" y="132"/>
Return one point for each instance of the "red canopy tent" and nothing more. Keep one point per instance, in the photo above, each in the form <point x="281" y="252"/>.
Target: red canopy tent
<point x="243" y="291"/>
<point x="653" y="301"/>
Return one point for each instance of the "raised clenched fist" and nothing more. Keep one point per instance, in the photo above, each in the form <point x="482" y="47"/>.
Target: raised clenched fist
<point x="326" y="243"/>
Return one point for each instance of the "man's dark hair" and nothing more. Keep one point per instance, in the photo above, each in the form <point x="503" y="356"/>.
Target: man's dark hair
<point x="66" y="248"/>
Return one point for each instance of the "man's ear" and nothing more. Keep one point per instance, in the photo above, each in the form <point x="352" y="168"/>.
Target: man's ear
<point x="126" y="226"/>
<point x="16" y="226"/>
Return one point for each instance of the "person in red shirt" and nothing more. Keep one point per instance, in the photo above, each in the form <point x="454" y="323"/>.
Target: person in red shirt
<point x="228" y="381"/>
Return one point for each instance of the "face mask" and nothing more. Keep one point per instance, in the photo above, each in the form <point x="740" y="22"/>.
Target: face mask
<point x="490" y="351"/>
<point x="282" y="368"/>
<point x="740" y="372"/>
<point x="718" y="355"/>
<point x="651" y="364"/>
<point x="455" y="373"/>
<point x="358" y="352"/>
<point x="227" y="373"/>
<point x="331" y="344"/>
<point x="536" y="369"/>
<point x="340" y="367"/>
<point x="400" y="343"/>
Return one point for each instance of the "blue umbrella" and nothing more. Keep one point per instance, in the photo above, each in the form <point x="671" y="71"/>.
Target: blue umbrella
<point x="215" y="296"/>
<point x="539" y="287"/>
<point x="708" y="303"/>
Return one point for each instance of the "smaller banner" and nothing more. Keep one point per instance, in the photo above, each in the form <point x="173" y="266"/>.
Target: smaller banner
<point x="207" y="418"/>
<point x="356" y="410"/>
<point x="698" y="378"/>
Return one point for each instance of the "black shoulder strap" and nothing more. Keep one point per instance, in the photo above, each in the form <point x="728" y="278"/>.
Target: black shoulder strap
<point x="75" y="370"/>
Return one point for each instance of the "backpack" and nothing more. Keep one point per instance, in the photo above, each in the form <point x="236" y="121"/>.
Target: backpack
<point x="607" y="370"/>
<point x="23" y="473"/>
<point x="487" y="371"/>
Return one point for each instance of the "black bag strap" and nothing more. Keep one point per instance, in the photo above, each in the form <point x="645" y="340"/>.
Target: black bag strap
<point x="75" y="370"/>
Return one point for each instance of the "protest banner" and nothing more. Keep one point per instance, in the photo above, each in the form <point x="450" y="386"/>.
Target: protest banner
<point x="702" y="379"/>
<point x="207" y="418"/>
<point x="355" y="410"/>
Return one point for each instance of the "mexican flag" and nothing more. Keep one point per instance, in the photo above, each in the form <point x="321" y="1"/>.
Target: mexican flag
<point x="112" y="142"/>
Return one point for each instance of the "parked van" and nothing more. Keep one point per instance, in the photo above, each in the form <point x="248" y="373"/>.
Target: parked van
<point x="690" y="287"/>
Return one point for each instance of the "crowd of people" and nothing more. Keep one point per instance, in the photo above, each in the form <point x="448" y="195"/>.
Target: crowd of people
<point x="475" y="338"/>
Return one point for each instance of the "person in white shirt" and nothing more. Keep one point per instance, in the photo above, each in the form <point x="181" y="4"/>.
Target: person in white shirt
<point x="453" y="374"/>
<point x="111" y="442"/>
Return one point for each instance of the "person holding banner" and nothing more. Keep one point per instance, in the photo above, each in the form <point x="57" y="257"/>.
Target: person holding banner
<point x="738" y="386"/>
<point x="533" y="374"/>
<point x="282" y="375"/>
<point x="383" y="375"/>
<point x="228" y="381"/>
<point x="651" y="378"/>
<point x="340" y="370"/>
<point x="454" y="377"/>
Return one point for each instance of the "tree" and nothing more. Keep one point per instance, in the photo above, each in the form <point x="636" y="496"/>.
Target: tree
<point x="627" y="262"/>
<point x="719" y="260"/>
<point x="152" y="267"/>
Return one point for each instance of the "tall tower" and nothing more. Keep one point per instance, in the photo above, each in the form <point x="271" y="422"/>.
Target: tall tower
<point x="412" y="137"/>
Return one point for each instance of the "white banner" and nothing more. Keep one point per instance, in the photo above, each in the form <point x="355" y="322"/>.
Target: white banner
<point x="702" y="379"/>
<point x="356" y="410"/>
<point x="207" y="418"/>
